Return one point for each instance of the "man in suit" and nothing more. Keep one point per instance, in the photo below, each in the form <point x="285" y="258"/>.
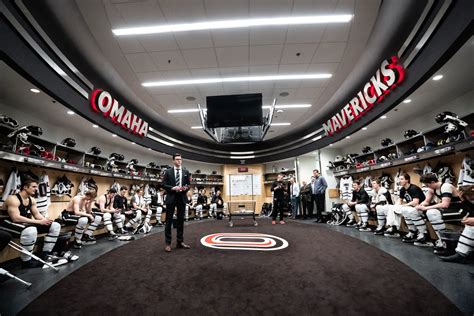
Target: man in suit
<point x="176" y="183"/>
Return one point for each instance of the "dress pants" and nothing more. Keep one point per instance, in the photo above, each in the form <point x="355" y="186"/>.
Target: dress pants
<point x="180" y="207"/>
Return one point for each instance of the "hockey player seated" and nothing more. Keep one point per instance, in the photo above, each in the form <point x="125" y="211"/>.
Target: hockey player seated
<point x="25" y="221"/>
<point x="360" y="201"/>
<point x="202" y="204"/>
<point x="190" y="203"/>
<point x="79" y="212"/>
<point x="139" y="205"/>
<point x="218" y="207"/>
<point x="157" y="204"/>
<point x="381" y="199"/>
<point x="443" y="195"/>
<point x="104" y="207"/>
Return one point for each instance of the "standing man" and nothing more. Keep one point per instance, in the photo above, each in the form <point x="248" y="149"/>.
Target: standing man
<point x="294" y="197"/>
<point x="176" y="182"/>
<point x="278" y="190"/>
<point x="319" y="186"/>
<point x="305" y="194"/>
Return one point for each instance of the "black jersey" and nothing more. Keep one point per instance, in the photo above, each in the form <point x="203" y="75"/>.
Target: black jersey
<point x="202" y="199"/>
<point x="278" y="190"/>
<point x="218" y="200"/>
<point x="413" y="192"/>
<point x="120" y="202"/>
<point x="360" y="197"/>
<point x="25" y="211"/>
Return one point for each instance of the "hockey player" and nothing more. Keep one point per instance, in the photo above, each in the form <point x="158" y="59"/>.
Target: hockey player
<point x="104" y="207"/>
<point x="381" y="200"/>
<point x="25" y="221"/>
<point x="202" y="204"/>
<point x="79" y="212"/>
<point x="157" y="205"/>
<point x="410" y="196"/>
<point x="445" y="194"/>
<point x="121" y="203"/>
<point x="138" y="204"/>
<point x="189" y="205"/>
<point x="360" y="201"/>
<point x="217" y="205"/>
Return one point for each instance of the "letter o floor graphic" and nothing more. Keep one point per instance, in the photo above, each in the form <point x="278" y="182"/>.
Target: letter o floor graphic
<point x="244" y="241"/>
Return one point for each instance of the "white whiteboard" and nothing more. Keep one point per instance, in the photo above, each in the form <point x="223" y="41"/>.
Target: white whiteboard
<point x="241" y="184"/>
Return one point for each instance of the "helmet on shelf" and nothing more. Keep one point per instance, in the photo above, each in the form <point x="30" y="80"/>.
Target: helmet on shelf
<point x="445" y="117"/>
<point x="410" y="133"/>
<point x="95" y="151"/>
<point x="35" y="130"/>
<point x="366" y="150"/>
<point x="386" y="142"/>
<point x="69" y="142"/>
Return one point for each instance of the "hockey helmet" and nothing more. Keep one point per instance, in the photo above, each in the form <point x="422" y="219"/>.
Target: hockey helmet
<point x="35" y="130"/>
<point x="8" y="121"/>
<point x="366" y="150"/>
<point x="133" y="161"/>
<point x="151" y="165"/>
<point x="443" y="116"/>
<point x="36" y="150"/>
<point x="410" y="133"/>
<point x="429" y="146"/>
<point x="69" y="142"/>
<point x="386" y="142"/>
<point x="95" y="151"/>
<point x="450" y="128"/>
<point x="392" y="156"/>
<point x="382" y="159"/>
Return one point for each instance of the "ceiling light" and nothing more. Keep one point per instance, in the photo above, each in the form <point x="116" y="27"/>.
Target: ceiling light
<point x="317" y="137"/>
<point x="95" y="126"/>
<point x="113" y="135"/>
<point x="70" y="112"/>
<point x="437" y="77"/>
<point x="364" y="128"/>
<point x="235" y="79"/>
<point x="196" y="127"/>
<point x="149" y="148"/>
<point x="330" y="144"/>
<point x="151" y="128"/>
<point x="383" y="117"/>
<point x="34" y="90"/>
<point x="133" y="143"/>
<point x="183" y="111"/>
<point x="348" y="137"/>
<point x="229" y="24"/>
<point x="287" y="106"/>
<point x="280" y="124"/>
<point x="280" y="111"/>
<point x="407" y="101"/>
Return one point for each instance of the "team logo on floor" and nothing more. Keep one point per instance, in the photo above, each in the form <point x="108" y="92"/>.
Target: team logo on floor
<point x="244" y="241"/>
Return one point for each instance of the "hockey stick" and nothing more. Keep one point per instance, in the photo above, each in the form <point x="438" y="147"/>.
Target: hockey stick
<point x="26" y="252"/>
<point x="54" y="265"/>
<point x="8" y="274"/>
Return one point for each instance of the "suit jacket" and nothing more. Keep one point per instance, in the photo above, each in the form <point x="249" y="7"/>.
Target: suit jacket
<point x="169" y="181"/>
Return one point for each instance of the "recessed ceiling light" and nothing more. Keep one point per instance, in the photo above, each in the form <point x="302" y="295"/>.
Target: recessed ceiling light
<point x="95" y="126"/>
<point x="34" y="90"/>
<point x="330" y="144"/>
<point x="196" y="127"/>
<point x="236" y="79"/>
<point x="133" y="143"/>
<point x="228" y="24"/>
<point x="191" y="98"/>
<point x="437" y="77"/>
<point x="280" y="124"/>
<point x="113" y="135"/>
<point x="70" y="112"/>
<point x="364" y="128"/>
<point x="151" y="129"/>
<point x="280" y="111"/>
<point x="183" y="111"/>
<point x="348" y="137"/>
<point x="407" y="101"/>
<point x="383" y="117"/>
<point x="149" y="148"/>
<point x="287" y="106"/>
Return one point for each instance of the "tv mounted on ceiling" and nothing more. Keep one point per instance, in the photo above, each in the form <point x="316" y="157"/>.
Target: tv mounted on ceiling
<point x="234" y="110"/>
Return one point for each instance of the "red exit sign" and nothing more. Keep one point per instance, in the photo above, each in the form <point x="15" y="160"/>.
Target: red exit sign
<point x="243" y="169"/>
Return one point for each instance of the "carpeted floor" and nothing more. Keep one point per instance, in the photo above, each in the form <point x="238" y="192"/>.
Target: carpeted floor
<point x="321" y="272"/>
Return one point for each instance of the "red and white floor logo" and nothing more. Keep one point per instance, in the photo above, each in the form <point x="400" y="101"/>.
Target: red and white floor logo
<point x="244" y="241"/>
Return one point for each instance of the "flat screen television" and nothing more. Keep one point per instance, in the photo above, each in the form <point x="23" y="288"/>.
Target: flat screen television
<point x="234" y="110"/>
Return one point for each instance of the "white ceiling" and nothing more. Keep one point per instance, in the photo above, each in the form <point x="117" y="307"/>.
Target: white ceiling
<point x="232" y="52"/>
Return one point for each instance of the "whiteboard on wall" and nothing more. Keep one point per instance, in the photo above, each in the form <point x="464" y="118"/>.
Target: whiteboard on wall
<point x="243" y="184"/>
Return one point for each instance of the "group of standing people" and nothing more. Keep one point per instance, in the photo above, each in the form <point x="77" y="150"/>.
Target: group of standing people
<point x="310" y="197"/>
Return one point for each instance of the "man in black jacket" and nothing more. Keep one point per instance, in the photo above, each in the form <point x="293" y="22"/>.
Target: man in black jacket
<point x="176" y="182"/>
<point x="278" y="189"/>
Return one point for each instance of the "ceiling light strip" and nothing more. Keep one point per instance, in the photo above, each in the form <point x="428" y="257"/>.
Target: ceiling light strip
<point x="287" y="106"/>
<point x="160" y="140"/>
<point x="235" y="79"/>
<point x="230" y="24"/>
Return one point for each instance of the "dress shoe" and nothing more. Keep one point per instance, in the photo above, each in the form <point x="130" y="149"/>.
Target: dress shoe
<point x="182" y="245"/>
<point x="457" y="257"/>
<point x="168" y="248"/>
<point x="282" y="222"/>
<point x="274" y="222"/>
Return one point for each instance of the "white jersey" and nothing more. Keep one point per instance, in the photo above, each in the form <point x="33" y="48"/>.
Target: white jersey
<point x="13" y="185"/>
<point x="397" y="186"/>
<point x="139" y="201"/>
<point x="381" y="196"/>
<point x="466" y="174"/>
<point x="147" y="195"/>
<point x="368" y="185"/>
<point x="345" y="188"/>
<point x="43" y="200"/>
